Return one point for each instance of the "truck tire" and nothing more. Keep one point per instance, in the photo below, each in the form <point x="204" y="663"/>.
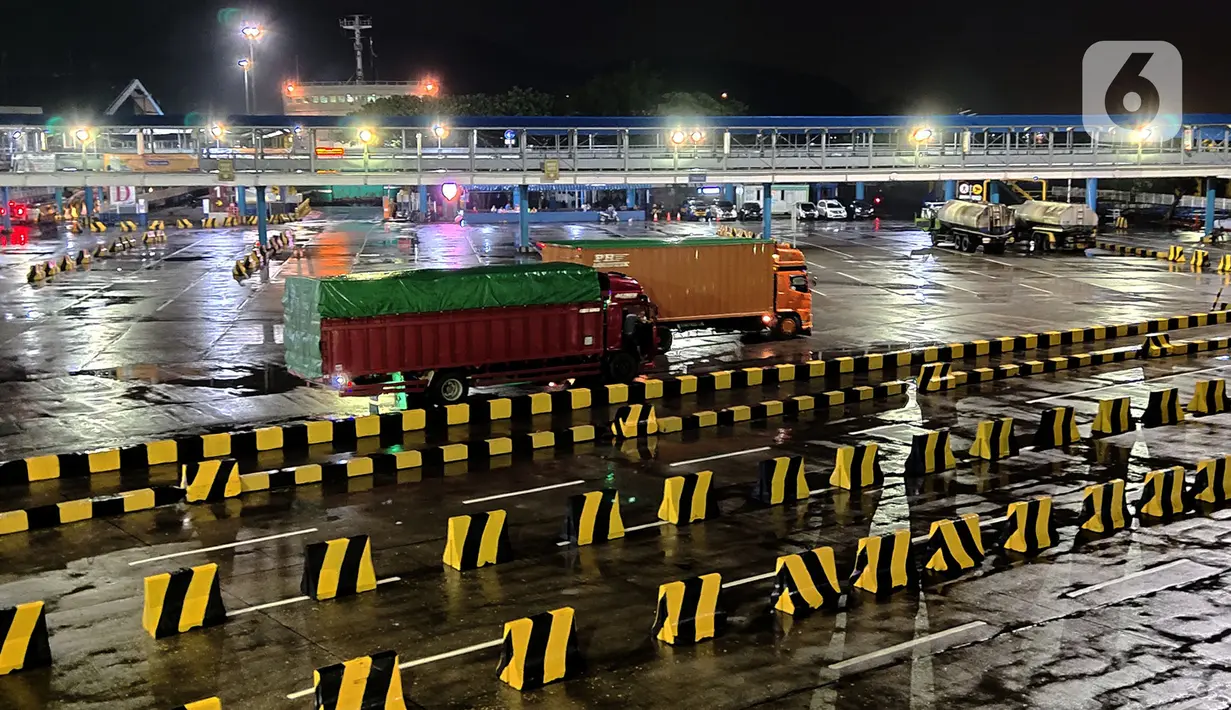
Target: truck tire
<point x="967" y="244"/>
<point x="448" y="388"/>
<point x="935" y="239"/>
<point x="787" y="327"/>
<point x="665" y="338"/>
<point x="620" y="368"/>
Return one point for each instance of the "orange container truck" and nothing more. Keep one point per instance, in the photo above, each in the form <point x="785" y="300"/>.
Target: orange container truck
<point x="731" y="284"/>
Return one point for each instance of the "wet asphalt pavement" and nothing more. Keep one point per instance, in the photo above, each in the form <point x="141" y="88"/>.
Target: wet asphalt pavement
<point x="1138" y="620"/>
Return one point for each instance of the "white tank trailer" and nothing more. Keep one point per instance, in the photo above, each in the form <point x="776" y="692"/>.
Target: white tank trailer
<point x="969" y="224"/>
<point x="1055" y="226"/>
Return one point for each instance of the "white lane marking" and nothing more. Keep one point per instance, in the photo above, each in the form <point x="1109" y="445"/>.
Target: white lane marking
<point x="719" y="456"/>
<point x="293" y="600"/>
<point x="749" y="580"/>
<point x="1101" y="585"/>
<point x="655" y="524"/>
<point x="1018" y="266"/>
<point x="1036" y="288"/>
<point x="1125" y="384"/>
<point x="818" y="293"/>
<point x="876" y="428"/>
<point x="418" y="662"/>
<point x="253" y="541"/>
<point x="522" y="493"/>
<point x="813" y="263"/>
<point x="131" y="279"/>
<point x="905" y="645"/>
<point x="852" y="278"/>
<point x="984" y="522"/>
<point x="818" y="246"/>
<point x="959" y="288"/>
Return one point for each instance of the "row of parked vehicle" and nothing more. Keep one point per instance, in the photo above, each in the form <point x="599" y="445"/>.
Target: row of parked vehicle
<point x="702" y="210"/>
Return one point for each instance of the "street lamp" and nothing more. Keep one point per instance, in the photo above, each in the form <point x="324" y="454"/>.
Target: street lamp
<point x="921" y="134"/>
<point x="83" y="135"/>
<point x="677" y="136"/>
<point x="697" y="135"/>
<point x="251" y="33"/>
<point x="366" y="137"/>
<point x="246" y="65"/>
<point x="441" y="131"/>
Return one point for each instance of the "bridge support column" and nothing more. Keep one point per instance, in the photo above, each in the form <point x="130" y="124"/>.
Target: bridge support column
<point x="523" y="219"/>
<point x="1210" y="194"/>
<point x="262" y="225"/>
<point x="143" y="218"/>
<point x="728" y="193"/>
<point x="87" y="196"/>
<point x="766" y="205"/>
<point x="1092" y="193"/>
<point x="516" y="197"/>
<point x="241" y="200"/>
<point x="423" y="201"/>
<point x="859" y="191"/>
<point x="993" y="188"/>
<point x="59" y="200"/>
<point x="630" y="198"/>
<point x="4" y="205"/>
<point x="950" y="190"/>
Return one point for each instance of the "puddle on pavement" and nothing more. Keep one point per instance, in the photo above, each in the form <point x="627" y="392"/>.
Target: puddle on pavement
<point x="185" y="258"/>
<point x="243" y="380"/>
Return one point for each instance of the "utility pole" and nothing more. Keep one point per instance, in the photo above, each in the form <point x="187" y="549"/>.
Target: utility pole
<point x="356" y="24"/>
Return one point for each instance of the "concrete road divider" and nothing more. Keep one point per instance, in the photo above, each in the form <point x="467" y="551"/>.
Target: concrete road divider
<point x="126" y="225"/>
<point x="156" y="224"/>
<point x="688" y="498"/>
<point x="932" y="377"/>
<point x="1200" y="259"/>
<point x="477" y="540"/>
<point x="955" y="545"/>
<point x="1162" y="496"/>
<point x="1175" y="253"/>
<point x="688" y="610"/>
<point x="1163" y="408"/>
<point x="1213" y="483"/>
<point x="781" y="480"/>
<point x="156" y="236"/>
<point x="338" y="568"/>
<point x="857" y="467"/>
<point x="1224" y="263"/>
<point x="209" y="223"/>
<point x="994" y="440"/>
<point x="179" y="601"/>
<point x="210" y="481"/>
<point x="24" y="644"/>
<point x="930" y="453"/>
<point x="36" y="273"/>
<point x="540" y="649"/>
<point x="806" y="582"/>
<point x="56" y="514"/>
<point x="1104" y="508"/>
<point x="366" y="683"/>
<point x="1158" y="345"/>
<point x="206" y="704"/>
<point x="1057" y="428"/>
<point x="593" y="517"/>
<point x="1030" y="528"/>
<point x="1209" y="397"/>
<point x="634" y="420"/>
<point x="884" y="563"/>
<point x="183" y="223"/>
<point x="1114" y="417"/>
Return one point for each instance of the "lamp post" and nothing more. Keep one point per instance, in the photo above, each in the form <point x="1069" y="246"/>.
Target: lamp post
<point x="251" y="33"/>
<point x="246" y="65"/>
<point x="677" y="137"/>
<point x="366" y="137"/>
<point x="919" y="136"/>
<point x="83" y="136"/>
<point x="441" y="131"/>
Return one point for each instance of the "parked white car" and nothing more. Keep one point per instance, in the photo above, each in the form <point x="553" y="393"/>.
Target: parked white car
<point x="832" y="209"/>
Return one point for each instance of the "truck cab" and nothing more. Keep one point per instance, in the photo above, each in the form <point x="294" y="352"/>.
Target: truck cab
<point x="632" y="320"/>
<point x="792" y="294"/>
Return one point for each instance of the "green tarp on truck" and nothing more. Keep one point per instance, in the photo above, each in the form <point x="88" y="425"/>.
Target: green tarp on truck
<point x="366" y="295"/>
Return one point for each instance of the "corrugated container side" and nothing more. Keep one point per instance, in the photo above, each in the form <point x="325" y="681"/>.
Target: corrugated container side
<point x="416" y="343"/>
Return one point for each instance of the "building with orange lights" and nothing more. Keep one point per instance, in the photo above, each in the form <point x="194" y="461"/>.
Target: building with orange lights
<point x="340" y="98"/>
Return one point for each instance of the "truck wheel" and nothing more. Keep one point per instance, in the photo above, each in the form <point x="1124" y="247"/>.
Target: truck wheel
<point x="620" y="368"/>
<point x="935" y="239"/>
<point x="968" y="244"/>
<point x="448" y="388"/>
<point x="787" y="327"/>
<point x="665" y="337"/>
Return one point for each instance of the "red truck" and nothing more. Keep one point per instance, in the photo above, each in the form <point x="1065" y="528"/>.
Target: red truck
<point x="441" y="331"/>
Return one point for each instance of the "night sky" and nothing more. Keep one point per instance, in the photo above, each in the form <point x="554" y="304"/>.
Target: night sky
<point x="779" y="58"/>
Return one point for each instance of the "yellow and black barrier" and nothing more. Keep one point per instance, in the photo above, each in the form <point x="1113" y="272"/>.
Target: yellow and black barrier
<point x="251" y="219"/>
<point x="884" y="564"/>
<point x="781" y="480"/>
<point x="540" y="649"/>
<point x="688" y="610"/>
<point x="127" y="225"/>
<point x="955" y="545"/>
<point x="932" y="376"/>
<point x="1121" y="222"/>
<point x="366" y="683"/>
<point x="806" y="582"/>
<point x="232" y="221"/>
<point x="1163" y="408"/>
<point x="994" y="440"/>
<point x="1057" y="428"/>
<point x="1213" y="483"/>
<point x="51" y="268"/>
<point x="183" y="223"/>
<point x="1157" y="345"/>
<point x="1224" y="263"/>
<point x="930" y="453"/>
<point x="1175" y="253"/>
<point x="857" y="467"/>
<point x="593" y="517"/>
<point x="210" y="481"/>
<point x="72" y="511"/>
<point x="36" y="273"/>
<point x="1104" y="508"/>
<point x="477" y="540"/>
<point x="179" y="601"/>
<point x="1200" y="259"/>
<point x="206" y="704"/>
<point x="154" y="237"/>
<point x="1030" y="528"/>
<point x="688" y="498"/>
<point x="156" y="224"/>
<point x="1209" y="397"/>
<point x="24" y="643"/>
<point x="1162" y="496"/>
<point x="209" y="222"/>
<point x="338" y="568"/>
<point x="1114" y="416"/>
<point x="634" y="420"/>
<point x="97" y="226"/>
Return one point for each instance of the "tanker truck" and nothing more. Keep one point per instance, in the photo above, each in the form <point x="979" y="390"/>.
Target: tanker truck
<point x="1055" y="226"/>
<point x="970" y="224"/>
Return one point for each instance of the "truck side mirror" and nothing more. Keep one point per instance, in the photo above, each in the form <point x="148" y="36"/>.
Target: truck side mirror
<point x="814" y="281"/>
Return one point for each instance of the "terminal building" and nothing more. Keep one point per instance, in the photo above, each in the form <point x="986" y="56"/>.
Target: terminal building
<point x="341" y="98"/>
